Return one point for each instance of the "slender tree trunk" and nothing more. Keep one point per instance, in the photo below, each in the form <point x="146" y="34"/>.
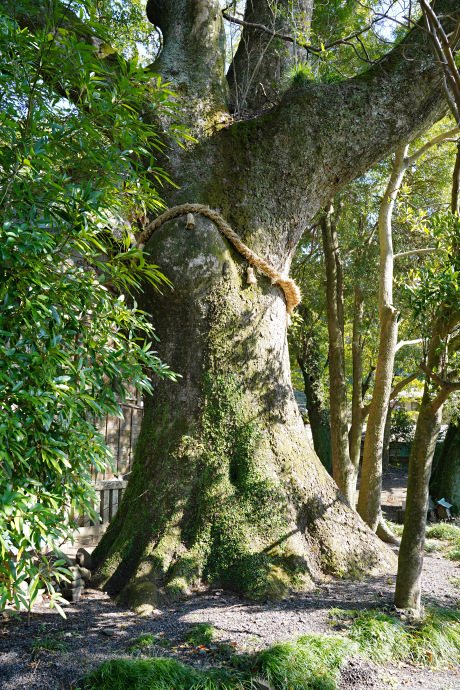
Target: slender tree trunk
<point x="387" y="439"/>
<point x="369" y="502"/>
<point x="342" y="469"/>
<point x="357" y="412"/>
<point x="410" y="560"/>
<point x="317" y="414"/>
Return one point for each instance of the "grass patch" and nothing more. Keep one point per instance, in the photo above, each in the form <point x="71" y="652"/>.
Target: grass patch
<point x="200" y="634"/>
<point x="439" y="530"/>
<point x="47" y="644"/>
<point x="447" y="532"/>
<point x="395" y="527"/>
<point x="140" y="644"/>
<point x="311" y="662"/>
<point x="343" y="614"/>
<point x="432" y="545"/>
<point x="435" y="641"/>
<point x="158" y="674"/>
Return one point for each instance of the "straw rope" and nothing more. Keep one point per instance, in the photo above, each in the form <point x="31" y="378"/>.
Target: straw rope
<point x="289" y="287"/>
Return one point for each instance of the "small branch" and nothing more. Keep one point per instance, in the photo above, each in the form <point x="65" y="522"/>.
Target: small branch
<point x="367" y="382"/>
<point x="402" y="384"/>
<point x="308" y="47"/>
<point x="432" y="375"/>
<point x="403" y="343"/>
<point x="428" y="250"/>
<point x="410" y="160"/>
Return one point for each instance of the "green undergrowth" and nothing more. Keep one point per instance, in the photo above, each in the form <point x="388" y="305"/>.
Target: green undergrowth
<point x="311" y="662"/>
<point x="47" y="643"/>
<point x="437" y="531"/>
<point x="447" y="532"/>
<point x="433" y="641"/>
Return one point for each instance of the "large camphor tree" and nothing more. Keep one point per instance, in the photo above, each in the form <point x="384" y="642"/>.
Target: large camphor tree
<point x="225" y="486"/>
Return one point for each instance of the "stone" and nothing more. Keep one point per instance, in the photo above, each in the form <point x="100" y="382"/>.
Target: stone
<point x="84" y="559"/>
<point x="72" y="593"/>
<point x="84" y="573"/>
<point x="110" y="632"/>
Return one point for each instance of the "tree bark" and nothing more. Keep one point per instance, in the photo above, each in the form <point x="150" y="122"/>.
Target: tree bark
<point x="225" y="485"/>
<point x="258" y="71"/>
<point x="387" y="439"/>
<point x="436" y="479"/>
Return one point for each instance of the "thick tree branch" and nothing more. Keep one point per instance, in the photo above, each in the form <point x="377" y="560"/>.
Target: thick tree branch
<point x="323" y="136"/>
<point x="403" y="343"/>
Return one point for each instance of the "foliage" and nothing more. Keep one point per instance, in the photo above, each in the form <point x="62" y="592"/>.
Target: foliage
<point x="402" y="426"/>
<point x="70" y="336"/>
<point x="130" y="32"/>
<point x="436" y="282"/>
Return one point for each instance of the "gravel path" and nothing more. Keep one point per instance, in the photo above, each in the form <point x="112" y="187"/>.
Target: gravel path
<point x="82" y="644"/>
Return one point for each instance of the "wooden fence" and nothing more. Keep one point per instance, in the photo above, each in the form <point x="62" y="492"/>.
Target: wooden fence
<point x="120" y="436"/>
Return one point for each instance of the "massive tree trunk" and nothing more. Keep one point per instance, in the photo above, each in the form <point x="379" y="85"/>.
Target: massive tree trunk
<point x="225" y="485"/>
<point x="437" y="476"/>
<point x="450" y="483"/>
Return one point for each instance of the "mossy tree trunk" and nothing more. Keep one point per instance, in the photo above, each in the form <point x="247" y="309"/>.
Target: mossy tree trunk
<point x="225" y="485"/>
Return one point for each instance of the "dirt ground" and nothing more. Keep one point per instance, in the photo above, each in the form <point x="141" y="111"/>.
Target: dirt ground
<point x="80" y="643"/>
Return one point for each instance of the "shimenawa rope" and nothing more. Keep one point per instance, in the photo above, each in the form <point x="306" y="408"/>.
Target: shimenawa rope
<point x="289" y="287"/>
